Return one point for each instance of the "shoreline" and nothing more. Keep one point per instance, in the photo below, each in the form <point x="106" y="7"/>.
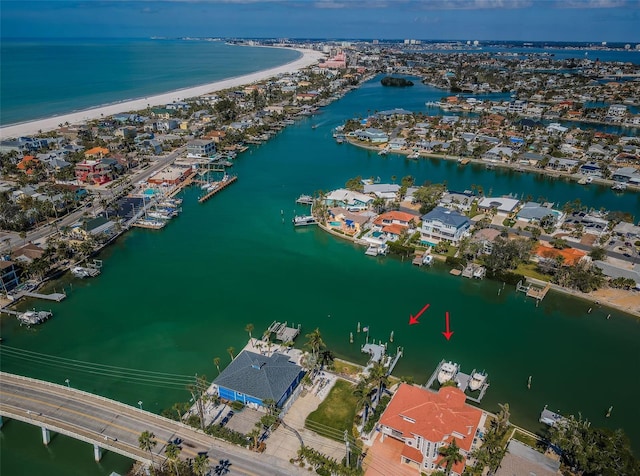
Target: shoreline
<point x="308" y="58"/>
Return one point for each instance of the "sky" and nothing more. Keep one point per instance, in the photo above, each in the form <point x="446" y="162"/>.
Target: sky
<point x="518" y="20"/>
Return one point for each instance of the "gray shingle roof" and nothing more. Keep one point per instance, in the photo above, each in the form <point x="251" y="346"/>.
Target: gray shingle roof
<point x="446" y="216"/>
<point x="259" y="376"/>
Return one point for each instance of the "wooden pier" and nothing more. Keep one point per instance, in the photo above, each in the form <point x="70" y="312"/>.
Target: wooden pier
<point x="220" y="186"/>
<point x="282" y="332"/>
<point x="538" y="293"/>
<point x="57" y="297"/>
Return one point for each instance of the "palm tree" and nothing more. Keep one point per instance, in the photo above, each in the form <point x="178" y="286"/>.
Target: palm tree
<point x="502" y="418"/>
<point x="249" y="328"/>
<point x="315" y="343"/>
<point x="216" y="362"/>
<point x="254" y="435"/>
<point x="201" y="464"/>
<point x="450" y="456"/>
<point x="379" y="377"/>
<point x="363" y="393"/>
<point x="172" y="452"/>
<point x="231" y="350"/>
<point x="147" y="442"/>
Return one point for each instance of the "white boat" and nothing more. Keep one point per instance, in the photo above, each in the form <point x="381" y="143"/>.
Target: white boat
<point x="427" y="259"/>
<point x="34" y="317"/>
<point x="477" y="380"/>
<point x="383" y="152"/>
<point x="619" y="186"/>
<point x="414" y="155"/>
<point x="303" y="220"/>
<point x="83" y="272"/>
<point x="305" y="200"/>
<point x="589" y="179"/>
<point x="448" y="371"/>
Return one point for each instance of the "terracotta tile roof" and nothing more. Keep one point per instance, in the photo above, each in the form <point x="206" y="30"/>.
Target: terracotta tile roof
<point x="393" y="215"/>
<point x="457" y="468"/>
<point x="433" y="416"/>
<point x="394" y="229"/>
<point x="412" y="453"/>
<point x="27" y="161"/>
<point x="571" y="255"/>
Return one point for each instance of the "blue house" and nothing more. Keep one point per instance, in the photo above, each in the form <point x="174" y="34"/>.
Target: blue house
<point x="254" y="378"/>
<point x="8" y="276"/>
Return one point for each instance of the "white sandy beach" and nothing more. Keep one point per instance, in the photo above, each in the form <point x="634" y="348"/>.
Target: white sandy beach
<point x="308" y="58"/>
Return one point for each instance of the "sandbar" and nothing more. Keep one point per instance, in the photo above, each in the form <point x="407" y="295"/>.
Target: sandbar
<point x="308" y="58"/>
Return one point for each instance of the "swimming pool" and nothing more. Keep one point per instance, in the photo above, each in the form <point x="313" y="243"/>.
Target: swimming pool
<point x="335" y="223"/>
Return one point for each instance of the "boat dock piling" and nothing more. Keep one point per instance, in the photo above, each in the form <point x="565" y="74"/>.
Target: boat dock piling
<point x="434" y="375"/>
<point x="220" y="186"/>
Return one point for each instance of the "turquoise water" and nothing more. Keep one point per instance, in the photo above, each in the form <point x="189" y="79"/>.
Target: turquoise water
<point x="173" y="300"/>
<point x="43" y="79"/>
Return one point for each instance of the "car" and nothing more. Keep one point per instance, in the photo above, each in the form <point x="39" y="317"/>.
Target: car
<point x="628" y="255"/>
<point x="177" y="441"/>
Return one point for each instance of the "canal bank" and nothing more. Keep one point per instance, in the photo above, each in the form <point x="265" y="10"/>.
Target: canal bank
<point x="171" y="301"/>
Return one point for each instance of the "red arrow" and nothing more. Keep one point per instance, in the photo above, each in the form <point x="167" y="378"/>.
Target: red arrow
<point x="414" y="320"/>
<point x="448" y="333"/>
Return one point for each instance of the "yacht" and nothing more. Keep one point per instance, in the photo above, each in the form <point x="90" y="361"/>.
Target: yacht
<point x="414" y="155"/>
<point x="303" y="220"/>
<point x="448" y="371"/>
<point x="477" y="380"/>
<point x="427" y="259"/>
<point x="383" y="152"/>
<point x="305" y="200"/>
<point x="34" y="317"/>
<point x="619" y="186"/>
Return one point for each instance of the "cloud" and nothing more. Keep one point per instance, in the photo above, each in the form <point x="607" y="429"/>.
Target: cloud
<point x="474" y="4"/>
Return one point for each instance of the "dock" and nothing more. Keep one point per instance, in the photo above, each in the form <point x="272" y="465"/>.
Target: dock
<point x="57" y="297"/>
<point x="282" y="332"/>
<point x="378" y="354"/>
<point x="455" y="272"/>
<point x="185" y="183"/>
<point x="550" y="418"/>
<point x="475" y="271"/>
<point x="304" y="200"/>
<point x="530" y="290"/>
<point x="219" y="186"/>
<point x="462" y="380"/>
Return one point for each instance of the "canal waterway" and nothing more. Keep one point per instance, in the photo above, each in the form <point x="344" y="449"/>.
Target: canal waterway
<point x="172" y="300"/>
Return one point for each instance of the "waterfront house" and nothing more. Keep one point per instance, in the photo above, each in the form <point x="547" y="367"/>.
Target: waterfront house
<point x="252" y="378"/>
<point x="460" y="201"/>
<point x="502" y="205"/>
<point x="95" y="227"/>
<point x="627" y="231"/>
<point x="375" y="136"/>
<point x="349" y="199"/>
<point x="393" y="223"/>
<point x="346" y="221"/>
<point x="627" y="175"/>
<point x="613" y="271"/>
<point x="485" y="237"/>
<point x="388" y="191"/>
<point x="591" y="169"/>
<point x="498" y="153"/>
<point x="444" y="224"/>
<point x="27" y="253"/>
<point x="420" y="422"/>
<point x="533" y="212"/>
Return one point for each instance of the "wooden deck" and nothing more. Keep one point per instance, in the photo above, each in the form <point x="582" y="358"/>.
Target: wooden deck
<point x="220" y="186"/>
<point x="538" y="293"/>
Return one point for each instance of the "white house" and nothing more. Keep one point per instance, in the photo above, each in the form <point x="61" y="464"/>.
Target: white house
<point x="444" y="224"/>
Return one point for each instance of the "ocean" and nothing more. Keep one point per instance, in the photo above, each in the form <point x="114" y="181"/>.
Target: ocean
<point x="171" y="301"/>
<point x="48" y="78"/>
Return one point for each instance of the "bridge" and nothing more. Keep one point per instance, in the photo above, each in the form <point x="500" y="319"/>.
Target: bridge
<point x="113" y="426"/>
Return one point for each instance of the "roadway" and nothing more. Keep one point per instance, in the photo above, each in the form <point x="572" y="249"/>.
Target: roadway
<point x="116" y="427"/>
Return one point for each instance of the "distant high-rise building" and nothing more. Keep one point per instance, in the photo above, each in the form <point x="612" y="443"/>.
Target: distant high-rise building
<point x="375" y="42"/>
<point x="476" y="43"/>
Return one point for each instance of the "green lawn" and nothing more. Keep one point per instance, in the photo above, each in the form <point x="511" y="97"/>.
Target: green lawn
<point x="336" y="413"/>
<point x="530" y="270"/>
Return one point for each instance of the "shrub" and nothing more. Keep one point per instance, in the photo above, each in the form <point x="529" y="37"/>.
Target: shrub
<point x="237" y="405"/>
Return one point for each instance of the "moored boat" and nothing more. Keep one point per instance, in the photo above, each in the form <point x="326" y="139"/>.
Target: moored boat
<point x="448" y="371"/>
<point x="303" y="220"/>
<point x="477" y="380"/>
<point x="305" y="200"/>
<point x="34" y="317"/>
